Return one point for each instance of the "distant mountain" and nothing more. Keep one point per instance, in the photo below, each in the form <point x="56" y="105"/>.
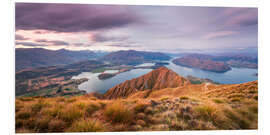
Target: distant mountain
<point x="204" y="64"/>
<point x="132" y="57"/>
<point x="218" y="63"/>
<point x="38" y="57"/>
<point x="157" y="79"/>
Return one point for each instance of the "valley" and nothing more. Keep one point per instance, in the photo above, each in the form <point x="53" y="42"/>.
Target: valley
<point x="151" y="102"/>
<point x="38" y="81"/>
<point x="147" y="94"/>
<point x="124" y="68"/>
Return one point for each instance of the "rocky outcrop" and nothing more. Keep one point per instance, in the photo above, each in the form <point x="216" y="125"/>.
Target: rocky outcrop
<point x="157" y="79"/>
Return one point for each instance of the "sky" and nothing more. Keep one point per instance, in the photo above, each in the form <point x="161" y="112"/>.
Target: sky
<point x="124" y="27"/>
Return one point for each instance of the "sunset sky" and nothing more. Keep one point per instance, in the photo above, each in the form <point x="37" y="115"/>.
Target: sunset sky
<point x="151" y="28"/>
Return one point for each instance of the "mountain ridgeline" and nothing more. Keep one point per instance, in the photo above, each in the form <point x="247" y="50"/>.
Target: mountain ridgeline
<point x="219" y="64"/>
<point x="160" y="78"/>
<point x="38" y="57"/>
<point x="132" y="57"/>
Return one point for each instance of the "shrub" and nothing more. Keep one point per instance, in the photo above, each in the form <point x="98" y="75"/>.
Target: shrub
<point x="61" y="99"/>
<point x="140" y="116"/>
<point x="256" y="97"/>
<point x="218" y="101"/>
<point x="87" y="125"/>
<point x="23" y="115"/>
<point x="70" y="114"/>
<point x="149" y="110"/>
<point x="154" y="119"/>
<point x="178" y="125"/>
<point x="141" y="123"/>
<point x="241" y="122"/>
<point x="56" y="125"/>
<point x="71" y="100"/>
<point x="118" y="113"/>
<point x="102" y="104"/>
<point x="205" y="125"/>
<point x="26" y="99"/>
<point x="92" y="108"/>
<point x="183" y="98"/>
<point x="93" y="98"/>
<point x="53" y="112"/>
<point x="164" y="98"/>
<point x="18" y="106"/>
<point x="37" y="107"/>
<point x="253" y="108"/>
<point x="30" y="123"/>
<point x="235" y="100"/>
<point x="80" y="105"/>
<point x="18" y="123"/>
<point x="139" y="107"/>
<point x="42" y="124"/>
<point x="247" y="114"/>
<point x="206" y="112"/>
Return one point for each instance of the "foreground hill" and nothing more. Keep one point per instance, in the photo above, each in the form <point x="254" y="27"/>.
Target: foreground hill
<point x="172" y="104"/>
<point x="38" y="57"/>
<point x="157" y="79"/>
<point x="132" y="57"/>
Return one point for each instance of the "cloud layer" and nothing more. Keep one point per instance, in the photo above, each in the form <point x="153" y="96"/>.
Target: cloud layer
<point x="118" y="27"/>
<point x="71" y="17"/>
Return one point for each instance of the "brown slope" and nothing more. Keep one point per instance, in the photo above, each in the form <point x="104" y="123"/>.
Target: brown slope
<point x="157" y="79"/>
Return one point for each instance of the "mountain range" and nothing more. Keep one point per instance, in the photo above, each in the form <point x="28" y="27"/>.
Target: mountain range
<point x="39" y="57"/>
<point x="217" y="63"/>
<point x="160" y="100"/>
<point x="132" y="57"/>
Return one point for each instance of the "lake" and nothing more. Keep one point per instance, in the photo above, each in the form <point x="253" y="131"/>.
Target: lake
<point x="236" y="75"/>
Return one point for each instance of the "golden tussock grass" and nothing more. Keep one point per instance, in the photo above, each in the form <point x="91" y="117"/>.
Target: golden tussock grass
<point x="118" y="113"/>
<point x="220" y="107"/>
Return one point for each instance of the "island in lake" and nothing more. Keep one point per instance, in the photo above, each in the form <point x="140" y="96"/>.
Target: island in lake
<point x="217" y="63"/>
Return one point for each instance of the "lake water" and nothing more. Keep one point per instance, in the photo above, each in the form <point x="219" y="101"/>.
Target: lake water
<point x="101" y="86"/>
<point x="236" y="75"/>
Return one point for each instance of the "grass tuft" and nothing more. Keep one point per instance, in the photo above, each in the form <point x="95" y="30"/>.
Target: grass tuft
<point x="118" y="113"/>
<point x="86" y="125"/>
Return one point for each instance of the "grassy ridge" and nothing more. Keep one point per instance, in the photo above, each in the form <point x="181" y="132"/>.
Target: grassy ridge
<point x="88" y="114"/>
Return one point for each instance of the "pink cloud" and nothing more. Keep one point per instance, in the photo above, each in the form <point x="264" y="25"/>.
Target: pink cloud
<point x="218" y="34"/>
<point x="241" y="16"/>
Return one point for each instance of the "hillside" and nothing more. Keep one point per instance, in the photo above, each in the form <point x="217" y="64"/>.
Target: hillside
<point x="38" y="57"/>
<point x="204" y="64"/>
<point x="132" y="57"/>
<point x="157" y="79"/>
<point x="45" y="81"/>
<point x="172" y="104"/>
<point x="218" y="63"/>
